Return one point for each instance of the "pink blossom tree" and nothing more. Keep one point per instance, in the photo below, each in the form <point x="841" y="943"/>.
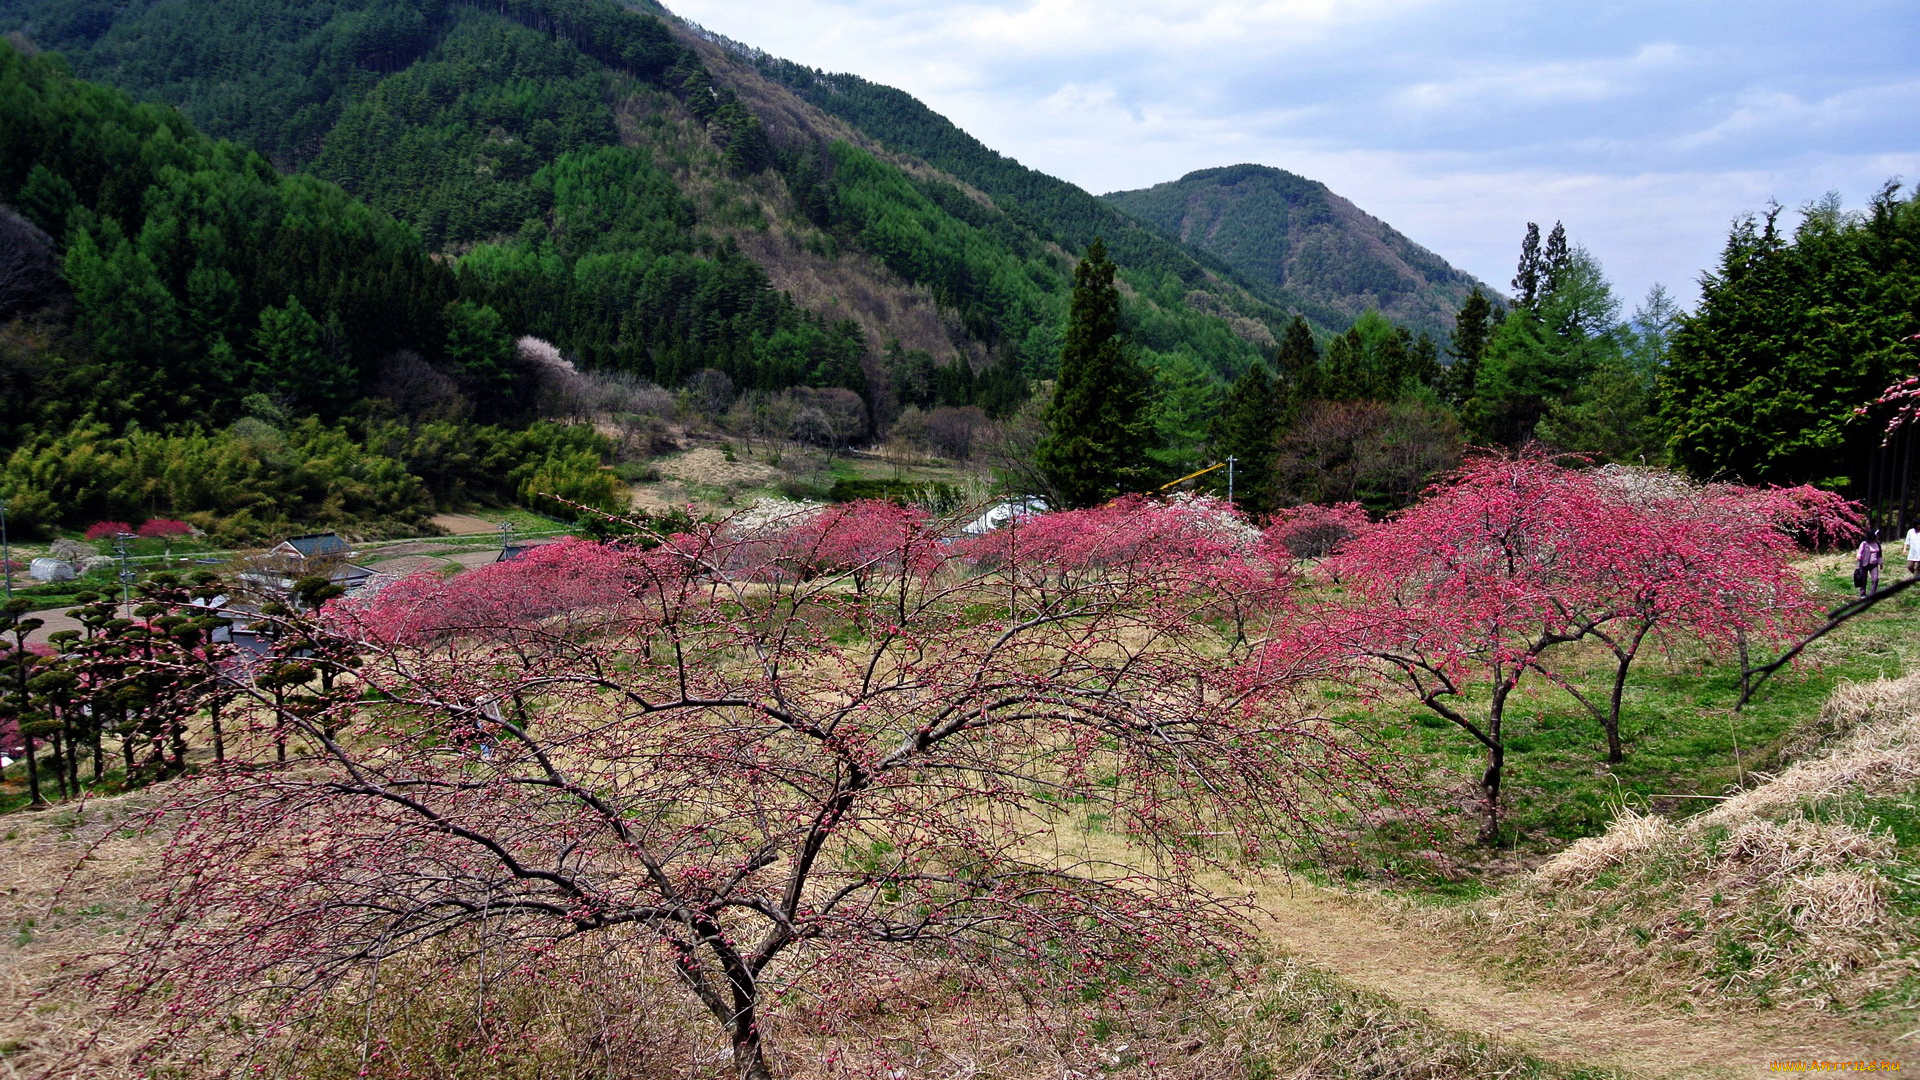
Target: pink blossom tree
<point x="1712" y="562"/>
<point x="1457" y="599"/>
<point x="164" y="529"/>
<point x="751" y="781"/>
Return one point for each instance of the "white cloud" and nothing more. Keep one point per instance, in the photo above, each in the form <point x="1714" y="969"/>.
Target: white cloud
<point x="1581" y="81"/>
<point x="1767" y="114"/>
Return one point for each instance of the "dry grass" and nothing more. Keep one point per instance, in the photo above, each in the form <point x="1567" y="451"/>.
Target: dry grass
<point x="600" y="1010"/>
<point x="1770" y="898"/>
<point x="58" y="917"/>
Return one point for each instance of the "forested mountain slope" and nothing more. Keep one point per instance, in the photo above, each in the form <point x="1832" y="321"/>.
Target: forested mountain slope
<point x="1052" y="207"/>
<point x="209" y="338"/>
<point x="1294" y="235"/>
<point x="620" y="185"/>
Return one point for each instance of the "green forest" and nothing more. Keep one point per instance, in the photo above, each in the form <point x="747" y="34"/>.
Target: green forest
<point x="209" y="337"/>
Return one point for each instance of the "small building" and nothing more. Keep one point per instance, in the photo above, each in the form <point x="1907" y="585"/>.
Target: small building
<point x="50" y="570"/>
<point x="312" y="547"/>
<point x="272" y="574"/>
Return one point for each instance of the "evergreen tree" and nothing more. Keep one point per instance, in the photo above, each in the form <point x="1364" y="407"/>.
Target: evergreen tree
<point x="1099" y="423"/>
<point x="478" y="341"/>
<point x="1472" y="328"/>
<point x="1343" y="374"/>
<point x="1540" y="356"/>
<point x="1791" y="336"/>
<point x="1555" y="261"/>
<point x="1244" y="429"/>
<point x="1186" y="401"/>
<point x="1297" y="377"/>
<point x="1527" y="281"/>
<point x="1423" y="362"/>
<point x="288" y="345"/>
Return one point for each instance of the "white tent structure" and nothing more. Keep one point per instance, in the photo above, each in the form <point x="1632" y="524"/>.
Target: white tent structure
<point x="1004" y="513"/>
<point x="50" y="570"/>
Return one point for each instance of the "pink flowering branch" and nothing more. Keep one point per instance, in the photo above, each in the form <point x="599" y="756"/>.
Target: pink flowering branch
<point x="752" y="769"/>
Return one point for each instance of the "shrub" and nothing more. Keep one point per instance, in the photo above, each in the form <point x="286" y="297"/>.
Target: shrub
<point x="161" y="528"/>
<point x="938" y="497"/>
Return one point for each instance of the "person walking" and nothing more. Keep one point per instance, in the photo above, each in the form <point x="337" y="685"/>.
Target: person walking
<point x="1866" y="564"/>
<point x="1913" y="548"/>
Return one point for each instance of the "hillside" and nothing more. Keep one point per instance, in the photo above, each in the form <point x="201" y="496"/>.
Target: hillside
<point x="616" y="183"/>
<point x="1294" y="235"/>
<point x="211" y="340"/>
<point x="855" y="202"/>
<point x="1052" y="207"/>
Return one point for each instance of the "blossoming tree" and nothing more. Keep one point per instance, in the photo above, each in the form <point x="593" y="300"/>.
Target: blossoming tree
<point x="1457" y="599"/>
<point x="763" y="784"/>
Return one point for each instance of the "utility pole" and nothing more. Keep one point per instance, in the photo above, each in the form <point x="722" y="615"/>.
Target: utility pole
<point x="6" y="551"/>
<point x="506" y="538"/>
<point x="126" y="572"/>
<point x="1230" y="460"/>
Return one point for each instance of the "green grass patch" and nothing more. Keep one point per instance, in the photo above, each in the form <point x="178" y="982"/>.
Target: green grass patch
<point x="1685" y="746"/>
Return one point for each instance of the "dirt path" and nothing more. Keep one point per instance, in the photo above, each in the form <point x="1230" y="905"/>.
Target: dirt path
<point x="1566" y="1023"/>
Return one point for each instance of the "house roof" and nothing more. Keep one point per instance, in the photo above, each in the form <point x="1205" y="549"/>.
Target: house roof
<point x="313" y="545"/>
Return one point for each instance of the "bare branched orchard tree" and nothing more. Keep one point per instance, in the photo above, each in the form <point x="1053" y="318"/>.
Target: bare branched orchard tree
<point x="722" y="757"/>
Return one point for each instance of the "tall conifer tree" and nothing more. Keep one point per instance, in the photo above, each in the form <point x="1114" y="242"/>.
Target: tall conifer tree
<point x="1099" y="423"/>
<point x="1245" y="431"/>
<point x="1471" y="328"/>
<point x="1555" y="262"/>
<point x="1527" y="281"/>
<point x="1297" y="378"/>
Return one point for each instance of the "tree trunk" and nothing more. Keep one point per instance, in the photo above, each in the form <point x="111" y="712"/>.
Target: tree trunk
<point x="1615" y="752"/>
<point x="34" y="798"/>
<point x="749" y="1055"/>
<point x="57" y="757"/>
<point x="1490" y="787"/>
<point x="1496" y="763"/>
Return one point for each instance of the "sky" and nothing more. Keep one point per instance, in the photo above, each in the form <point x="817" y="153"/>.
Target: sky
<point x="1646" y="128"/>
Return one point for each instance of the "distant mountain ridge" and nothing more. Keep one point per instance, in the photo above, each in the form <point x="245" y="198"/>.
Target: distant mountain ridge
<point x="517" y="134"/>
<point x="1292" y="234"/>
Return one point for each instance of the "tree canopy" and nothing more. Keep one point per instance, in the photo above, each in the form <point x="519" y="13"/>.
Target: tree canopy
<point x="1098" y="421"/>
<point x="1793" y="333"/>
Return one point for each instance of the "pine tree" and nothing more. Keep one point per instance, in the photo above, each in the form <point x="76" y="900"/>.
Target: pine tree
<point x="1297" y="379"/>
<point x="1555" y="262"/>
<point x="478" y="342"/>
<point x="288" y="346"/>
<point x="1245" y="431"/>
<point x="1099" y="423"/>
<point x="1471" y="328"/>
<point x="1527" y="281"/>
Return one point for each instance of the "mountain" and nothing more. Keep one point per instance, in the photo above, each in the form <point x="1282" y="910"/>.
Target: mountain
<point x="1051" y="206"/>
<point x="612" y="180"/>
<point x="1294" y="235"/>
<point x="658" y="202"/>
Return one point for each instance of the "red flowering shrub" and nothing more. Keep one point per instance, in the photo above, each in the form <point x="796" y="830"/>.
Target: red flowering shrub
<point x="162" y="528"/>
<point x="107" y="530"/>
